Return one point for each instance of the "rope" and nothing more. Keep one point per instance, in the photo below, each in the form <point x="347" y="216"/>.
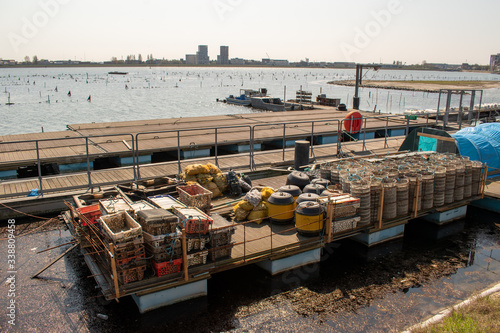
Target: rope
<point x="26" y="214"/>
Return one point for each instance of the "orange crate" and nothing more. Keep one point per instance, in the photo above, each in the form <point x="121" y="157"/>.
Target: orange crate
<point x="167" y="267"/>
<point x="92" y="213"/>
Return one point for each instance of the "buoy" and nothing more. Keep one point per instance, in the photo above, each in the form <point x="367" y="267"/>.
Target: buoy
<point x="298" y="178"/>
<point x="307" y="197"/>
<point x="309" y="218"/>
<point x="314" y="188"/>
<point x="281" y="207"/>
<point x="291" y="189"/>
<point x="352" y="122"/>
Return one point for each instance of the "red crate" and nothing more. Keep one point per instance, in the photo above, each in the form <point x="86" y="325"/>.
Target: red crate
<point x="92" y="213"/>
<point x="167" y="267"/>
<point x="194" y="220"/>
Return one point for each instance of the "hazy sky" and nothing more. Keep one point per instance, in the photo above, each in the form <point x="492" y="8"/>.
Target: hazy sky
<point x="452" y="31"/>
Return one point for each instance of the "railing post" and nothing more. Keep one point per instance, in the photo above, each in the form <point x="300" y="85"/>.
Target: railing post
<point x="179" y="152"/>
<point x="137" y="150"/>
<point x="339" y="137"/>
<point x="284" y="140"/>
<point x="135" y="158"/>
<point x="88" y="164"/>
<point x="252" y="147"/>
<point x="364" y="136"/>
<point x="216" y="159"/>
<point x="386" y="125"/>
<point x="312" y="140"/>
<point x="39" y="168"/>
<point x="408" y="124"/>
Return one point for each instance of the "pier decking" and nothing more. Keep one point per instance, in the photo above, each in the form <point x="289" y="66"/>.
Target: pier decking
<point x="11" y="189"/>
<point x="116" y="139"/>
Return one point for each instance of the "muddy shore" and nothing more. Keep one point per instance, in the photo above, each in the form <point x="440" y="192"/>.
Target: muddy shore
<point x="425" y="86"/>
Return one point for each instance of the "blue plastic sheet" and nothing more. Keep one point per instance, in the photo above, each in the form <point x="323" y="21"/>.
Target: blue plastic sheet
<point x="480" y="143"/>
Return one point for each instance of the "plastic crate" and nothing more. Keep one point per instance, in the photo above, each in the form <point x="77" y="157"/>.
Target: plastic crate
<point x="197" y="258"/>
<point x="193" y="220"/>
<point x="131" y="275"/>
<point x="166" y="239"/>
<point x="340" y="225"/>
<point x="164" y="255"/>
<point x="166" y="202"/>
<point x="141" y="205"/>
<point x="121" y="227"/>
<point x="112" y="206"/>
<point x="221" y="252"/>
<point x="196" y="242"/>
<point x="92" y="213"/>
<point x="167" y="267"/>
<point x="157" y="221"/>
<point x="222" y="231"/>
<point x="195" y="196"/>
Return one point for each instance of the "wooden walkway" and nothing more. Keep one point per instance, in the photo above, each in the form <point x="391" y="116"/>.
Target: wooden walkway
<point x="239" y="162"/>
<point x="108" y="139"/>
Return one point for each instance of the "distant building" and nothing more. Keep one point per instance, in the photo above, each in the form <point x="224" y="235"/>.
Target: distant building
<point x="237" y="61"/>
<point x="191" y="59"/>
<point x="7" y="62"/>
<point x="275" y="62"/>
<point x="494" y="62"/>
<point x="223" y="57"/>
<point x="202" y="55"/>
<point x="344" y="64"/>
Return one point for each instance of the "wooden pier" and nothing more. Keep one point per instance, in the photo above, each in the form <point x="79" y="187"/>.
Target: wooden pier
<point x="116" y="139"/>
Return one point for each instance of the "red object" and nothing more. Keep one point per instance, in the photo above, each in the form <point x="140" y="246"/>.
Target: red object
<point x="194" y="220"/>
<point x="92" y="213"/>
<point x="167" y="267"/>
<point x="352" y="122"/>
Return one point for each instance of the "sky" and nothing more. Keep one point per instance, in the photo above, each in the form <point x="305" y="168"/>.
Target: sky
<point x="411" y="31"/>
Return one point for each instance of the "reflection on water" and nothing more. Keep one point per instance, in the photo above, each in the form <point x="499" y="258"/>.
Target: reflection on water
<point x="42" y="94"/>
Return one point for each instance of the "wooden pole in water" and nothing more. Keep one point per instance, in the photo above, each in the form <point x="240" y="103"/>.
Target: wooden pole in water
<point x="184" y="255"/>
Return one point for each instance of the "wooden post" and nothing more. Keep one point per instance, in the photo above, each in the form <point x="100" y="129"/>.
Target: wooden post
<point x="415" y="199"/>
<point x="113" y="268"/>
<point x="329" y="221"/>
<point x="184" y="255"/>
<point x="380" y="208"/>
<point x="483" y="185"/>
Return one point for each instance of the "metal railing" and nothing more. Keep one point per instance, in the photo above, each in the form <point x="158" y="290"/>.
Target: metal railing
<point x="178" y="136"/>
<point x="39" y="160"/>
<point x="255" y="133"/>
<point x="295" y="124"/>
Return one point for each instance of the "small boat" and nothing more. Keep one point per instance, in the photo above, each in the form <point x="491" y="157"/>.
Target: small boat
<point x="118" y="73"/>
<point x="245" y="96"/>
<point x="272" y="104"/>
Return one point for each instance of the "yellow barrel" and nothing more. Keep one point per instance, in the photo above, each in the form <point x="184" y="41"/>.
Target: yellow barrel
<point x="281" y="207"/>
<point x="309" y="217"/>
<point x="294" y="190"/>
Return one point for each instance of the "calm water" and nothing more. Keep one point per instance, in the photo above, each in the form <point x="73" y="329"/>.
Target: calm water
<point x="151" y="93"/>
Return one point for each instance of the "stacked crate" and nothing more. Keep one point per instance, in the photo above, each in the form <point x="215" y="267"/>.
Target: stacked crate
<point x="221" y="243"/>
<point x="197" y="226"/>
<point x="123" y="231"/>
<point x="162" y="239"/>
<point x="344" y="211"/>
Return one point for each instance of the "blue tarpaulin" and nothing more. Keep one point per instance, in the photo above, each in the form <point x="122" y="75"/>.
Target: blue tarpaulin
<point x="480" y="143"/>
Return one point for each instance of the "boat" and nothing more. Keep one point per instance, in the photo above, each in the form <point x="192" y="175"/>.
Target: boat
<point x="118" y="73"/>
<point x="272" y="104"/>
<point x="245" y="96"/>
